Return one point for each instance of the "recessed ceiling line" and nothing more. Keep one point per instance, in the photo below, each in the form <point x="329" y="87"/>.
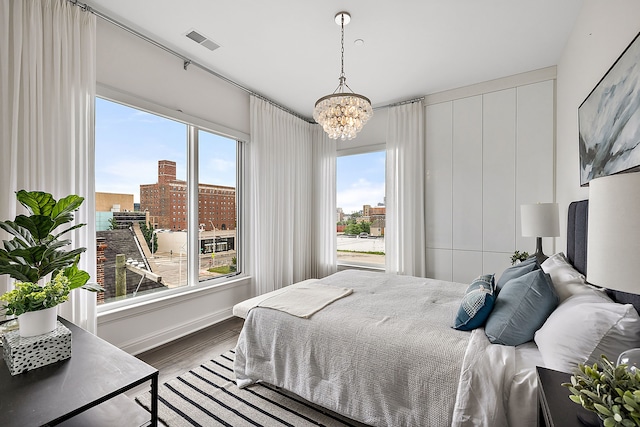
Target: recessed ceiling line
<point x="184" y="59"/>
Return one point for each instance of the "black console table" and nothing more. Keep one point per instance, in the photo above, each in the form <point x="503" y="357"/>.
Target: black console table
<point x="83" y="390"/>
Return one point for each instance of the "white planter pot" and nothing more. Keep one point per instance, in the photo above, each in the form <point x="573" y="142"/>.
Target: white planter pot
<point x="39" y="322"/>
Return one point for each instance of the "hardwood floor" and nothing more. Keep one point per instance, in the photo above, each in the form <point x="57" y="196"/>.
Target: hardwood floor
<point x="176" y="357"/>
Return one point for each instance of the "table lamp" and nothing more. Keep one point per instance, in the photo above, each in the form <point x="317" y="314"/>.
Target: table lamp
<point x="540" y="220"/>
<point x="614" y="239"/>
<point x="614" y="232"/>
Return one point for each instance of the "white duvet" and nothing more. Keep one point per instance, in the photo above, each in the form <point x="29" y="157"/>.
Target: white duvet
<point x="498" y="385"/>
<point x="387" y="356"/>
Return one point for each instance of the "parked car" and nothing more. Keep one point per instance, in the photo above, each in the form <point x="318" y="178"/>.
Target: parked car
<point x="364" y="235"/>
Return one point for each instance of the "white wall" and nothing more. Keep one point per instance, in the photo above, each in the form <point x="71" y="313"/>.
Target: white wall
<point x="131" y="65"/>
<point x="132" y="70"/>
<point x="601" y="33"/>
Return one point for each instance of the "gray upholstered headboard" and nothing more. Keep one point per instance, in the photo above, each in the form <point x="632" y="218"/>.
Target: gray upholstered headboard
<point x="577" y="235"/>
<point x="577" y="222"/>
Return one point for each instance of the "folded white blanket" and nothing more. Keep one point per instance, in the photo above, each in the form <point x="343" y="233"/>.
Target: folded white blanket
<point x="306" y="299"/>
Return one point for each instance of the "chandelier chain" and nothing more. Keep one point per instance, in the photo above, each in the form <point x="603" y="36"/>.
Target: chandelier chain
<point x="342" y="49"/>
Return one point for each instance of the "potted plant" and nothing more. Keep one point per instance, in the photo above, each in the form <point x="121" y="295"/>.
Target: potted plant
<point x="519" y="257"/>
<point x="612" y="392"/>
<point x="36" y="251"/>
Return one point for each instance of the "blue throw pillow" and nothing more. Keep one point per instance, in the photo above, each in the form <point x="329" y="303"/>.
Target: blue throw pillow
<point x="520" y="269"/>
<point x="521" y="308"/>
<point x="476" y="304"/>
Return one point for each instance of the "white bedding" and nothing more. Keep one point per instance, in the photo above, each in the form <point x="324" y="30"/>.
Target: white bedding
<point x="498" y="384"/>
<point x="386" y="355"/>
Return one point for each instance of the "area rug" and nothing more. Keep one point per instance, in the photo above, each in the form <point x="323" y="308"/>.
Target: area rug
<point x="208" y="396"/>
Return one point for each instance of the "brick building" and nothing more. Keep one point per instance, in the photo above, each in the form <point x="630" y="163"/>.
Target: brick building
<point x="167" y="203"/>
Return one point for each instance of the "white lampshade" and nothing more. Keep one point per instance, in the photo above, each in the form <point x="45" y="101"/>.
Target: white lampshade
<point x="540" y="220"/>
<point x="613" y="248"/>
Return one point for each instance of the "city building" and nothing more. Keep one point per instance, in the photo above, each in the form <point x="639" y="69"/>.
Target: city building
<point x="117" y="211"/>
<point x="166" y="202"/>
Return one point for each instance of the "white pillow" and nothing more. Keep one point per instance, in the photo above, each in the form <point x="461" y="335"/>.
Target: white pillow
<point x="584" y="327"/>
<point x="566" y="279"/>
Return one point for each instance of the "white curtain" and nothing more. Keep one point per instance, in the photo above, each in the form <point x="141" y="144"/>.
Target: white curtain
<point x="47" y="88"/>
<point x="324" y="204"/>
<point x="280" y="180"/>
<point x="405" y="191"/>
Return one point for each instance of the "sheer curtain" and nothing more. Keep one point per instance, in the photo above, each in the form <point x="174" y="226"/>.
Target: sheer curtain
<point x="47" y="88"/>
<point x="324" y="204"/>
<point x="281" y="191"/>
<point x="405" y="228"/>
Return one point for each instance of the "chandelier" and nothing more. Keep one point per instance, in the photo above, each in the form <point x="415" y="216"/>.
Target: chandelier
<point x="342" y="114"/>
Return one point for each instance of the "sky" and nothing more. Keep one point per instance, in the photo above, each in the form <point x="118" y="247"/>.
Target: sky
<point x="360" y="181"/>
<point x="129" y="143"/>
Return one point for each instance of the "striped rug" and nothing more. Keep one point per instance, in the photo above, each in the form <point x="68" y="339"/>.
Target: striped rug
<point x="208" y="396"/>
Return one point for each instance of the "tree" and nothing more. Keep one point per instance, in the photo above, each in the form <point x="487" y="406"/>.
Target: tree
<point x="148" y="235"/>
<point x="357" y="228"/>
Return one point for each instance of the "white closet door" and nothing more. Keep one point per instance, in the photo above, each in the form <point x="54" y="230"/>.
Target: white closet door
<point x="439" y="174"/>
<point x="534" y="159"/>
<point x="440" y="264"/>
<point x="499" y="171"/>
<point x="467" y="265"/>
<point x="467" y="174"/>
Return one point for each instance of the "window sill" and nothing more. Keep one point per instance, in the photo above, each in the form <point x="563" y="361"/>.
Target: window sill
<point x="358" y="266"/>
<point x="152" y="302"/>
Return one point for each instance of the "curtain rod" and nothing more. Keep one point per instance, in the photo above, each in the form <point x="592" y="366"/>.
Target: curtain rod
<point x="395" y="104"/>
<point x="186" y="62"/>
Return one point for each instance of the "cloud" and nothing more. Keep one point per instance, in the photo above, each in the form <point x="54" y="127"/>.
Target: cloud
<point x="218" y="171"/>
<point x="361" y="192"/>
<point x="125" y="176"/>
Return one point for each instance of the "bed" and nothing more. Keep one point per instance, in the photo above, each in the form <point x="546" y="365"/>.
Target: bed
<point x="385" y="354"/>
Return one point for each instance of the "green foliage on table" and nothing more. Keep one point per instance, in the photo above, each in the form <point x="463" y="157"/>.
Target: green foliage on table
<point x="612" y="392"/>
<point x="36" y="248"/>
<point x="519" y="256"/>
<point x="29" y="296"/>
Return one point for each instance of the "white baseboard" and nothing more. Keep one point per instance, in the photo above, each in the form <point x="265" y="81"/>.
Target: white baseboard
<point x="153" y="340"/>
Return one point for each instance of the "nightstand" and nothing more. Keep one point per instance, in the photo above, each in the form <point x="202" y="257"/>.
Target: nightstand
<point x="555" y="409"/>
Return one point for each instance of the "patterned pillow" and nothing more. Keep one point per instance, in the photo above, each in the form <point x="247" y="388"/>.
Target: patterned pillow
<point x="476" y="304"/>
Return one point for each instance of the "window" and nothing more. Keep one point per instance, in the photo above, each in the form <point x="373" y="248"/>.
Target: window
<point x="142" y="166"/>
<point x="360" y="198"/>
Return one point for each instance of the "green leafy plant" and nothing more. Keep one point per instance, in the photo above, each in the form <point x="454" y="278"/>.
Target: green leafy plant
<point x="519" y="256"/>
<point x="36" y="249"/>
<point x="29" y="296"/>
<point x="612" y="392"/>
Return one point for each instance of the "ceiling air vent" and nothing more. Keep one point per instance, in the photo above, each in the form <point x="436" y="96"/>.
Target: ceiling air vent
<point x="202" y="40"/>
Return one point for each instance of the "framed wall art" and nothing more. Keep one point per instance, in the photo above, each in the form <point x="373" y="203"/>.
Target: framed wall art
<point x="609" y="120"/>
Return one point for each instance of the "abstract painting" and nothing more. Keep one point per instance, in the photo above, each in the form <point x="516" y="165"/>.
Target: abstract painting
<point x="609" y="120"/>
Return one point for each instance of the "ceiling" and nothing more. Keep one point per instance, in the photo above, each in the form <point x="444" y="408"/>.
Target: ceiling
<point x="289" y="50"/>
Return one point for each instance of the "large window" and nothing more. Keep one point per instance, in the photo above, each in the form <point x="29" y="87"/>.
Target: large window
<point x="360" y="198"/>
<point x="166" y="211"/>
